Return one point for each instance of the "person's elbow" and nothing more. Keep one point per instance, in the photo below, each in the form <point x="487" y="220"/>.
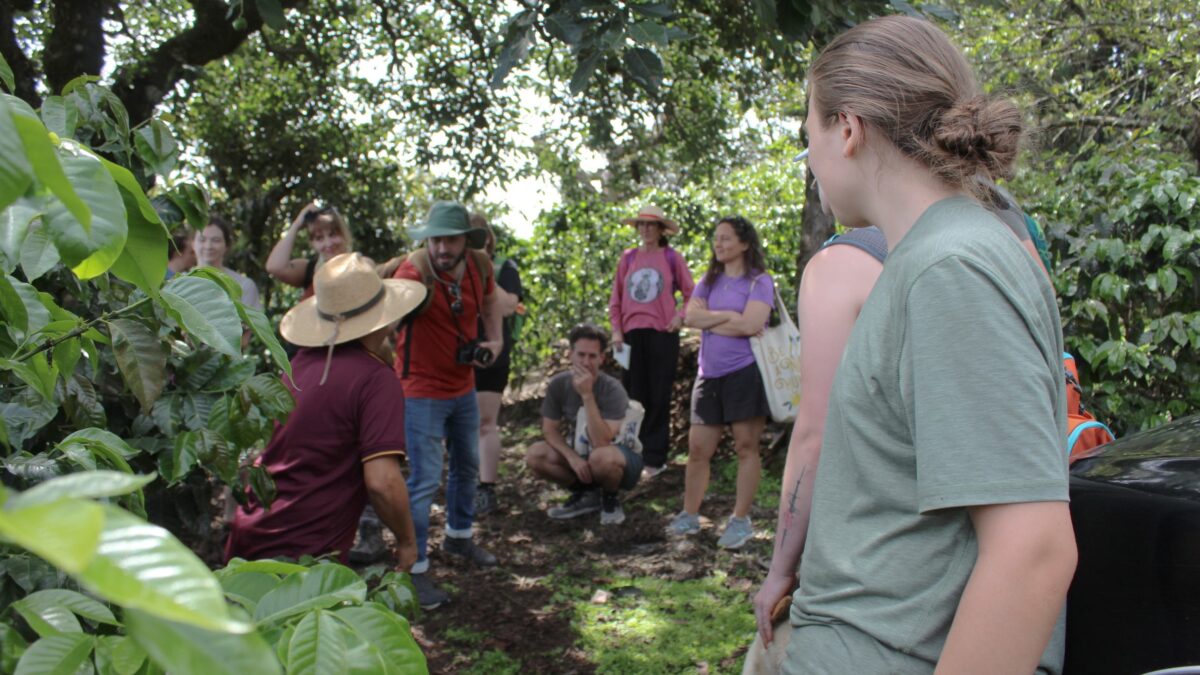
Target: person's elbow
<point x="275" y="269"/>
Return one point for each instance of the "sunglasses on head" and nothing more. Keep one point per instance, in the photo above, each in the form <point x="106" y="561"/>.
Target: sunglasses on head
<point x="325" y="211"/>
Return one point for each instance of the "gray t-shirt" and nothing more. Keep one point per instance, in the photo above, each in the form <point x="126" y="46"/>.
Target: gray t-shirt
<point x="949" y="394"/>
<point x="562" y="402"/>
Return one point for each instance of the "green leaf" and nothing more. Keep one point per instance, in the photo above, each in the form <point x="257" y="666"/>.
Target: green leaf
<point x="658" y="10"/>
<point x="261" y="326"/>
<point x="36" y="372"/>
<point x="645" y="68"/>
<point x="320" y="587"/>
<point x="15" y="173"/>
<point x="89" y="254"/>
<point x="156" y="147"/>
<point x="13" y="307"/>
<point x="127" y="656"/>
<point x="193" y="202"/>
<point x="142" y="566"/>
<point x="56" y="655"/>
<point x="46" y="619"/>
<point x="517" y="41"/>
<point x="6" y="75"/>
<point x="319" y="645"/>
<point x="649" y="33"/>
<point x="38" y="253"/>
<point x="588" y="60"/>
<point x="262" y="484"/>
<point x="37" y="313"/>
<point x="270" y="395"/>
<point x="205" y="311"/>
<point x="143" y="261"/>
<point x="58" y="607"/>
<point x="66" y="533"/>
<point x="387" y="632"/>
<point x="182" y="648"/>
<point x="562" y="25"/>
<point x="248" y="588"/>
<point x="86" y="485"/>
<point x="272" y="14"/>
<point x="14" y="228"/>
<point x="25" y="415"/>
<point x="78" y="82"/>
<point x="232" y="288"/>
<point x="142" y="359"/>
<point x="12" y="647"/>
<point x="276" y="567"/>
<point x="184" y="455"/>
<point x="44" y="160"/>
<point x="59" y="117"/>
<point x="66" y="354"/>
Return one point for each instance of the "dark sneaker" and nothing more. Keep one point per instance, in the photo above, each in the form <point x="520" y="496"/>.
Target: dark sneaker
<point x="428" y="596"/>
<point x="485" y="499"/>
<point x="369" y="546"/>
<point x="611" y="512"/>
<point x="467" y="550"/>
<point x="578" y="504"/>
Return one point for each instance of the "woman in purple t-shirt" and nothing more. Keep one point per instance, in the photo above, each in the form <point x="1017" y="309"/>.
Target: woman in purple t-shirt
<point x="731" y="303"/>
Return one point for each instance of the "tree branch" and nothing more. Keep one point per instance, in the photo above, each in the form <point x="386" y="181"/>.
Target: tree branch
<point x="142" y="85"/>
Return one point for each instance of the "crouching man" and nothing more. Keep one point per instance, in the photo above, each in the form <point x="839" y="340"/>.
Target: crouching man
<point x="341" y="444"/>
<point x="595" y="463"/>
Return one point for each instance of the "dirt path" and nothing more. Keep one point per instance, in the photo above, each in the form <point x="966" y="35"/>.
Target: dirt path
<point x="513" y="608"/>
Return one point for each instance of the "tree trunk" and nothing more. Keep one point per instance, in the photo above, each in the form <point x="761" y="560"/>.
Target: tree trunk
<point x="76" y="43"/>
<point x="24" y="71"/>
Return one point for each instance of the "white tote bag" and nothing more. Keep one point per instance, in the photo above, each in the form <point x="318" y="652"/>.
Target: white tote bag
<point x="777" y="352"/>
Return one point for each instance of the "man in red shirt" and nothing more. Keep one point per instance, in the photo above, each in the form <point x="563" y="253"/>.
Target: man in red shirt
<point x="436" y="355"/>
<point x="340" y="445"/>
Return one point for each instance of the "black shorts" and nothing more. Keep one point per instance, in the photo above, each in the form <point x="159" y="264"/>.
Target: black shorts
<point x="729" y="398"/>
<point x="495" y="377"/>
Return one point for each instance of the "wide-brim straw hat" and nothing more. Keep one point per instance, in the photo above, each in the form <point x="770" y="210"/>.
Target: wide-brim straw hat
<point x="449" y="219"/>
<point x="350" y="301"/>
<point x="652" y="212"/>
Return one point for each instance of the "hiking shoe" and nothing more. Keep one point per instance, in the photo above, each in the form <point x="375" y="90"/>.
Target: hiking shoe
<point x="467" y="550"/>
<point x="369" y="546"/>
<point x="737" y="532"/>
<point x="649" y="472"/>
<point x="485" y="499"/>
<point x="611" y="512"/>
<point x="428" y="596"/>
<point x="578" y="504"/>
<point x="684" y="524"/>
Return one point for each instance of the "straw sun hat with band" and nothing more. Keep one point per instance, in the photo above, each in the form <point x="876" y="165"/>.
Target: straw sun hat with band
<point x="350" y="301"/>
<point x="654" y="214"/>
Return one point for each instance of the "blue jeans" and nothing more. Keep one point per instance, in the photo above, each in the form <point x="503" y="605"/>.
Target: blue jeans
<point x="427" y="423"/>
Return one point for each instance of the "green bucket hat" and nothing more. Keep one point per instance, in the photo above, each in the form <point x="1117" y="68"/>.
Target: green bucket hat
<point x="449" y="219"/>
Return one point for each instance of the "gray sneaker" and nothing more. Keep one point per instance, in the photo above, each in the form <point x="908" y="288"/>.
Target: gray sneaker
<point x="611" y="513"/>
<point x="467" y="550"/>
<point x="485" y="499"/>
<point x="737" y="532"/>
<point x="428" y="596"/>
<point x="578" y="504"/>
<point x="684" y="524"/>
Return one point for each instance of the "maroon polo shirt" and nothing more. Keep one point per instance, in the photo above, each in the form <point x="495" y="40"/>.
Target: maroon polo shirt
<point x="317" y="457"/>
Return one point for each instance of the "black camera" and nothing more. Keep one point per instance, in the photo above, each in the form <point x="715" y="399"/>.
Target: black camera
<point x="472" y="353"/>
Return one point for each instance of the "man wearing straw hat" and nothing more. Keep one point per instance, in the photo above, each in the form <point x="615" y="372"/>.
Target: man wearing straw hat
<point x="340" y="445"/>
<point x="436" y="355"/>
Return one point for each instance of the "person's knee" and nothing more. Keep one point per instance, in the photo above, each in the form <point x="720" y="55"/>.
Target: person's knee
<point x="746" y="448"/>
<point x="607" y="462"/>
<point x="538" y="456"/>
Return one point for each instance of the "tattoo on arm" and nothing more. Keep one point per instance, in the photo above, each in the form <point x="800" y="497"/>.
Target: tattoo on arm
<point x="792" y="504"/>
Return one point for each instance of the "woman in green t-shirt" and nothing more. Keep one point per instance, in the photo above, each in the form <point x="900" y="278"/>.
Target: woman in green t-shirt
<point x="939" y="534"/>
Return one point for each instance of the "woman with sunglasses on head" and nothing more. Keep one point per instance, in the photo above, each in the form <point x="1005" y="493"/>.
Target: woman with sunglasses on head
<point x="329" y="237"/>
<point x="731" y="303"/>
<point x="646" y="321"/>
<point x="938" y="535"/>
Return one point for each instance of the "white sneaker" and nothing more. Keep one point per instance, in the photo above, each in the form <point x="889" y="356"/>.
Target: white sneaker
<point x="611" y="513"/>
